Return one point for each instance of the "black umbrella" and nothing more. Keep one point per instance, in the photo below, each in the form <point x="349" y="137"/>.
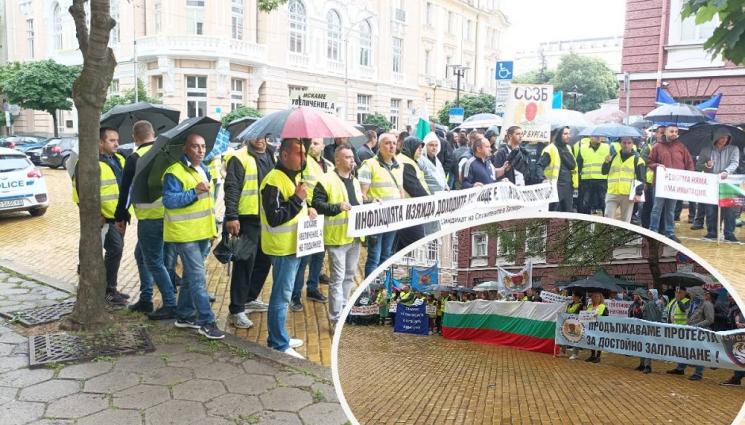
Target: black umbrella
<point x="701" y="135"/>
<point x="590" y="283"/>
<point x="685" y="279"/>
<point x="167" y="149"/>
<point x="122" y="117"/>
<point x="236" y="126"/>
<point x="678" y="114"/>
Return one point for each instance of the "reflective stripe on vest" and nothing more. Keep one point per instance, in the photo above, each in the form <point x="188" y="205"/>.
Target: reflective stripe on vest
<point x="622" y="174"/>
<point x="249" y="201"/>
<point x="599" y="310"/>
<point x="551" y="172"/>
<point x="109" y="191"/>
<point x="592" y="161"/>
<point x="677" y="316"/>
<point x="335" y="227"/>
<point x="384" y="184"/>
<point x="573" y="308"/>
<point x="194" y="222"/>
<point x="313" y="174"/>
<point x="152" y="210"/>
<point x="403" y="159"/>
<point x="280" y="240"/>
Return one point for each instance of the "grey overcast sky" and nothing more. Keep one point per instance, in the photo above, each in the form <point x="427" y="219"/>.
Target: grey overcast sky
<point x="535" y="21"/>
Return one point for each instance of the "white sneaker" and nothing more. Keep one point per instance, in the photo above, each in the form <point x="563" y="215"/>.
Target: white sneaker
<point x="291" y="352"/>
<point x="296" y="343"/>
<point x="573" y="357"/>
<point x="241" y="321"/>
<point x="256" y="306"/>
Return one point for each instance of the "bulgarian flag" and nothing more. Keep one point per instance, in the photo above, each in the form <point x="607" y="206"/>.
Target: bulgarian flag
<point x="422" y="125"/>
<point x="524" y="325"/>
<point x="732" y="191"/>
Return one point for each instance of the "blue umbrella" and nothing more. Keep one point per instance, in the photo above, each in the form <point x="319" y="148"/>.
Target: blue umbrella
<point x="222" y="143"/>
<point x="611" y="130"/>
<point x="677" y="114"/>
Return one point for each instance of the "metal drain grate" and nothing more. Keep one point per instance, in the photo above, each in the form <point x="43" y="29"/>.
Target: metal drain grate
<point x="40" y="315"/>
<point x="63" y="347"/>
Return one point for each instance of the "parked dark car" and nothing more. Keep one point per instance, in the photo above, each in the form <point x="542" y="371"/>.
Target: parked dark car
<point x="33" y="152"/>
<point x="18" y="142"/>
<point x="57" y="151"/>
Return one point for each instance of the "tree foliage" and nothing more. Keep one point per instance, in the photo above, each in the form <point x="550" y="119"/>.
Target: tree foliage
<point x="728" y="39"/>
<point x="535" y="77"/>
<point x="129" y="97"/>
<point x="472" y="105"/>
<point x="592" y="78"/>
<point x="243" y="111"/>
<point x="378" y="120"/>
<point x="43" y="86"/>
<point x="269" y="5"/>
<point x="7" y="72"/>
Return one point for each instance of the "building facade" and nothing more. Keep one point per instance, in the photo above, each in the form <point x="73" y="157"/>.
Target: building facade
<point x="660" y="49"/>
<point x="207" y="57"/>
<point x="479" y="255"/>
<point x="548" y="54"/>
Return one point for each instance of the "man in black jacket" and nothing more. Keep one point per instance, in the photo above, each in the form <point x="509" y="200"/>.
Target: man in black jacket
<point x="242" y="218"/>
<point x="413" y="186"/>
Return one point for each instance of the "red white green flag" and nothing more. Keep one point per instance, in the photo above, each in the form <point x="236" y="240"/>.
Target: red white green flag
<point x="732" y="191"/>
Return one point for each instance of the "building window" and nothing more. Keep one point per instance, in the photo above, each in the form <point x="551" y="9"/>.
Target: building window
<point x="115" y="32"/>
<point x="395" y="111"/>
<point x="196" y="96"/>
<point x="451" y="22"/>
<point x="114" y="87"/>
<point x="365" y="43"/>
<point x="297" y="26"/>
<point x="237" y="20"/>
<point x="363" y="107"/>
<point x="157" y="86"/>
<point x="692" y="33"/>
<point x="429" y="14"/>
<point x="398" y="46"/>
<point x="236" y="93"/>
<point x="433" y="251"/>
<point x="30" y="37"/>
<point x="195" y="16"/>
<point x="157" y="17"/>
<point x="454" y="239"/>
<point x="468" y="30"/>
<point x="333" y="34"/>
<point x="57" y="28"/>
<point x="399" y="13"/>
<point x="427" y="62"/>
<point x="479" y="244"/>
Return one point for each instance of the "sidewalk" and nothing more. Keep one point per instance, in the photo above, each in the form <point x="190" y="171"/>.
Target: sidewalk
<point x="187" y="380"/>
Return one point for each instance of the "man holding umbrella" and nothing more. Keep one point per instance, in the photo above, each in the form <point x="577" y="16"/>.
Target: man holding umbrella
<point x="719" y="158"/>
<point x="245" y="170"/>
<point x="283" y="202"/>
<point x="189" y="225"/>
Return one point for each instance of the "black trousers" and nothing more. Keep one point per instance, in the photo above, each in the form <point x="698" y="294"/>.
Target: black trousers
<point x="566" y="194"/>
<point x="249" y="275"/>
<point x="593" y="195"/>
<point x="113" y="246"/>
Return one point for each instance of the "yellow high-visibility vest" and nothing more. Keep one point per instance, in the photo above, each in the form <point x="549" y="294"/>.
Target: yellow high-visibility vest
<point x="384" y="184"/>
<point x="599" y="310"/>
<point x="249" y="200"/>
<point x="148" y="210"/>
<point x="617" y="147"/>
<point x="335" y="227"/>
<point x="196" y="221"/>
<point x="280" y="240"/>
<point x="675" y="314"/>
<point x="622" y="174"/>
<point x="592" y="161"/>
<point x="403" y="159"/>
<point x="109" y="191"/>
<point x="552" y="170"/>
<point x="313" y="173"/>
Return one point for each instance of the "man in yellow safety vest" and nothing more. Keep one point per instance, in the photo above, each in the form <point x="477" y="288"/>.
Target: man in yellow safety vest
<point x="594" y="184"/>
<point x="559" y="165"/>
<point x="623" y="170"/>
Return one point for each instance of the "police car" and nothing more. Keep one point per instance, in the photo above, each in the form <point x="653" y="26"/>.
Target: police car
<point x="22" y="187"/>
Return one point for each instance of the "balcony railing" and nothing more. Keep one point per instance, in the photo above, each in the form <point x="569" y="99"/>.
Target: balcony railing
<point x="200" y="45"/>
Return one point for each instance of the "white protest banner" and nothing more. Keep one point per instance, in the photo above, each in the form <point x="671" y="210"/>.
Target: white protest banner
<point x="309" y="236"/>
<point x="618" y="308"/>
<point x="364" y="310"/>
<point x="588" y="316"/>
<point x="527" y="107"/>
<point x="632" y="192"/>
<point x="392" y="307"/>
<point x="659" y="341"/>
<point x="551" y="297"/>
<point x="319" y="99"/>
<point x="431" y="310"/>
<point x="687" y="186"/>
<point x="453" y="206"/>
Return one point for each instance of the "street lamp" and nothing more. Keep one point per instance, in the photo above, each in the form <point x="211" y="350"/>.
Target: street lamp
<point x="346" y="61"/>
<point x="575" y="93"/>
<point x="460" y="72"/>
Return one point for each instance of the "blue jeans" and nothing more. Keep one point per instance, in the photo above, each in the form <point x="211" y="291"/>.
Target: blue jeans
<point x="669" y="206"/>
<point x="284" y="270"/>
<point x="728" y="216"/>
<point x="698" y="371"/>
<point x="316" y="263"/>
<point x="170" y="261"/>
<point x="379" y="251"/>
<point x="193" y="301"/>
<point x="151" y="262"/>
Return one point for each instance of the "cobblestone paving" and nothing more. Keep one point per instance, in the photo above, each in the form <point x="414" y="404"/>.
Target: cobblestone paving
<point x="16" y="293"/>
<point x="187" y="380"/>
<point x="390" y="378"/>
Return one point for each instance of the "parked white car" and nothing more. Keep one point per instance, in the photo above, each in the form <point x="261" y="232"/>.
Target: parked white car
<point x="22" y="186"/>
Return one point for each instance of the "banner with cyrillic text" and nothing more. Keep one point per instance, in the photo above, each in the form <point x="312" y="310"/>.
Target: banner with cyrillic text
<point x="551" y="297"/>
<point x="365" y="310"/>
<point x="659" y="341"/>
<point x="309" y="236"/>
<point x="618" y="308"/>
<point x="412" y="319"/>
<point x="685" y="185"/>
<point x="448" y="207"/>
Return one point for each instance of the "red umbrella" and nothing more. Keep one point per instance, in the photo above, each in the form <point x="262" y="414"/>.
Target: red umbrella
<point x="304" y="122"/>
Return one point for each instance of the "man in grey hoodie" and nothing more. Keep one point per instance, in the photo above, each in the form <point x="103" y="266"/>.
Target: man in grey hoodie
<point x="719" y="158"/>
<point x="700" y="315"/>
<point x="646" y="309"/>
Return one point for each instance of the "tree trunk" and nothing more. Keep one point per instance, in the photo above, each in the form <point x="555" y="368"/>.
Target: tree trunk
<point x="54" y="120"/>
<point x="89" y="95"/>
<point x="653" y="260"/>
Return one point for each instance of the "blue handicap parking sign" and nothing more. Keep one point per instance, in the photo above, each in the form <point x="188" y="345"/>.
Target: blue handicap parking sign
<point x="504" y="70"/>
